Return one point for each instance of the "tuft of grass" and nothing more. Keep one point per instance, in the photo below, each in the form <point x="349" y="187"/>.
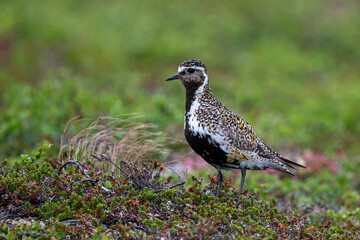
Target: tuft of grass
<point x="118" y="138"/>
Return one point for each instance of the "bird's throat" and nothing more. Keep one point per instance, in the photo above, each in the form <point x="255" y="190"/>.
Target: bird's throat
<point x="195" y="91"/>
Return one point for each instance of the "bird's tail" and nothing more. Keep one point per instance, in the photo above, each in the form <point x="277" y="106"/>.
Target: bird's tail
<point x="291" y="164"/>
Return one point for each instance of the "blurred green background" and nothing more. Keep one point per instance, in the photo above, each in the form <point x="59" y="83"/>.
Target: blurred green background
<point x="291" y="68"/>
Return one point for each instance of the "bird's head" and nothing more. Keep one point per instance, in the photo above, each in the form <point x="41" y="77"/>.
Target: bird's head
<point x="192" y="73"/>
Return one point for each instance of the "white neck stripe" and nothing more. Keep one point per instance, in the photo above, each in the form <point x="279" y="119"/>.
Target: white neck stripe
<point x="201" y="88"/>
<point x="194" y="67"/>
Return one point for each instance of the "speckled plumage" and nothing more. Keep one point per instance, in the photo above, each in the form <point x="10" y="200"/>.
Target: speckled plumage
<point x="220" y="136"/>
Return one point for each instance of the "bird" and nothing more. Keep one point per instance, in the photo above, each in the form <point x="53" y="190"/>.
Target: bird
<point x="220" y="136"/>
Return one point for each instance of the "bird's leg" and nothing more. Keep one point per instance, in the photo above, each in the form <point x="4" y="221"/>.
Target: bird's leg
<point x="220" y="180"/>
<point x="243" y="174"/>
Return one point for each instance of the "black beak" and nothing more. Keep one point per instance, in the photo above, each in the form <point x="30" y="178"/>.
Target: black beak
<point x="176" y="76"/>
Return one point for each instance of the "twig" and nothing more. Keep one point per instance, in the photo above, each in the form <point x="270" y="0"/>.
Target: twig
<point x="154" y="206"/>
<point x="70" y="221"/>
<point x="173" y="186"/>
<point x="168" y="166"/>
<point x="86" y="180"/>
<point x="77" y="164"/>
<point x="83" y="172"/>
<point x="105" y="157"/>
<point x="137" y="180"/>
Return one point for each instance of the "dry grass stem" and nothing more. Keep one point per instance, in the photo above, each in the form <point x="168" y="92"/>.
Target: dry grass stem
<point x="119" y="138"/>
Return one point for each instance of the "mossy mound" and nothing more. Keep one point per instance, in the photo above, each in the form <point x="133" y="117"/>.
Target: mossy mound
<point x="39" y="201"/>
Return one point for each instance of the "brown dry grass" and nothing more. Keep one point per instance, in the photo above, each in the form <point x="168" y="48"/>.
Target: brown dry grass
<point x="121" y="138"/>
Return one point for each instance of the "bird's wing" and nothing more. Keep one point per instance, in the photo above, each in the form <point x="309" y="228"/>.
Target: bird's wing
<point x="237" y="131"/>
<point x="243" y="139"/>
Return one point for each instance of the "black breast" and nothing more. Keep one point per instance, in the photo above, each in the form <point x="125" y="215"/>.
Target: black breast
<point x="209" y="150"/>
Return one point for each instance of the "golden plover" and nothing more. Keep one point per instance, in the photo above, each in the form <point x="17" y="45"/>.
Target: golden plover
<point x="220" y="136"/>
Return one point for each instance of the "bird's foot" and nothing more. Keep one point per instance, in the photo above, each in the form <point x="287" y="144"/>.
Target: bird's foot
<point x="238" y="199"/>
<point x="218" y="193"/>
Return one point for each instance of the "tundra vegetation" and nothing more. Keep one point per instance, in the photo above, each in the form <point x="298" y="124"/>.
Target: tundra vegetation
<point x="291" y="69"/>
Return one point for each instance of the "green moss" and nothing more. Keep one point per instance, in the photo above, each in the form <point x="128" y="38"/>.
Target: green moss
<point x="134" y="211"/>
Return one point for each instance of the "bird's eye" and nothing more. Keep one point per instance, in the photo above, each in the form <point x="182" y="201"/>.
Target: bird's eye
<point x="191" y="70"/>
